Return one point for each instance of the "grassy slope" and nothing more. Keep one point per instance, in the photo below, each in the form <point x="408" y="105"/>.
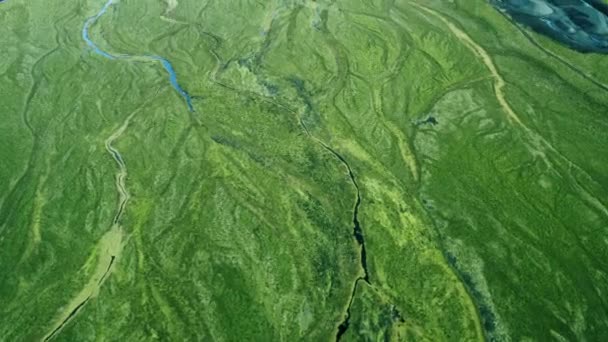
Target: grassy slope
<point x="536" y="233"/>
<point x="240" y="223"/>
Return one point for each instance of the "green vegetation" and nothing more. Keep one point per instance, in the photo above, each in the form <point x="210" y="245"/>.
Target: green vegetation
<point x="477" y="150"/>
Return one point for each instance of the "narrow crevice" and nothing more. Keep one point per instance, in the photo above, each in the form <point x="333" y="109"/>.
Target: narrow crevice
<point x="357" y="230"/>
<point x="344" y="325"/>
<point x="81" y="305"/>
<point x="103" y="277"/>
<point x="358" y="235"/>
<point x="121" y="209"/>
<point x="65" y="321"/>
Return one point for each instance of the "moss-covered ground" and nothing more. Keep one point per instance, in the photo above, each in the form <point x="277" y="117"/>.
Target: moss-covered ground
<point x="366" y="170"/>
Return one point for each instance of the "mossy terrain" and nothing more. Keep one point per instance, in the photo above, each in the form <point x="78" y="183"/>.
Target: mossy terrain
<point x="362" y="170"/>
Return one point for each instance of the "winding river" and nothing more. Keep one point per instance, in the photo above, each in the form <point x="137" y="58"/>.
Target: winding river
<point x="164" y="62"/>
<point x="111" y="244"/>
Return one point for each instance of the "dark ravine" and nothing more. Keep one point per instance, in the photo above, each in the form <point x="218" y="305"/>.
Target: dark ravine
<point x="103" y="277"/>
<point x="299" y="86"/>
<point x="72" y="314"/>
<point x="357" y="230"/>
<point x="345" y="324"/>
<point x="358" y="234"/>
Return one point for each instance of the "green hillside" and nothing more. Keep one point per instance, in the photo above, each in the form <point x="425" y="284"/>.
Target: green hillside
<point x="361" y="170"/>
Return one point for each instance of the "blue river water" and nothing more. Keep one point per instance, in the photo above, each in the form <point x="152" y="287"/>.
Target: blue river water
<point x="165" y="63"/>
<point x="580" y="24"/>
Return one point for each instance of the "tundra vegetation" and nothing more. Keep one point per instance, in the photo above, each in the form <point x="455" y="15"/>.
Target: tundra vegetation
<point x="287" y="170"/>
